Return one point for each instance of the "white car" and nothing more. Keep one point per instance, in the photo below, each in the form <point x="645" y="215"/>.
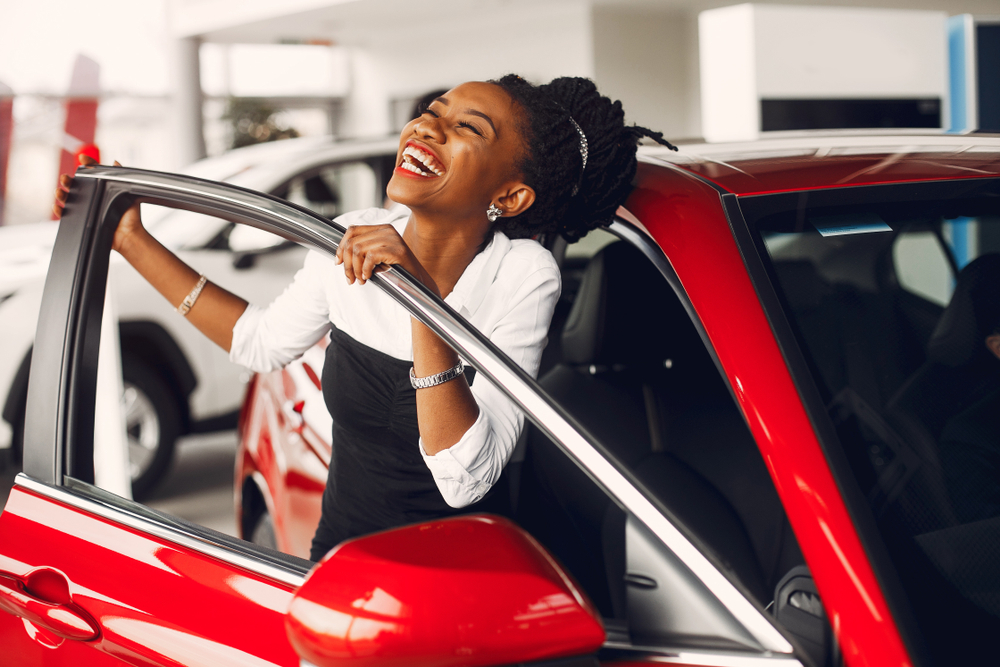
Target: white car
<point x="177" y="381"/>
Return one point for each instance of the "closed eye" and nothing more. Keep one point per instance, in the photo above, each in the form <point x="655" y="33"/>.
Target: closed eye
<point x="470" y="126"/>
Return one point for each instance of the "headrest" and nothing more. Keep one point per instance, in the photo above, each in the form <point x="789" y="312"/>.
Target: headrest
<point x="972" y="314"/>
<point x="625" y="313"/>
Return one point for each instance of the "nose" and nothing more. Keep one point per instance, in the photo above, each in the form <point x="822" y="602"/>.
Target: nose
<point x="428" y="127"/>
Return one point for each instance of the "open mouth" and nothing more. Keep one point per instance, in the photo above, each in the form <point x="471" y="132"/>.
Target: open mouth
<point x="421" y="162"/>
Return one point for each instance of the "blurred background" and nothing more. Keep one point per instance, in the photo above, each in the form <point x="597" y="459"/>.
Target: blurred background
<point x="161" y="84"/>
<point x="177" y="80"/>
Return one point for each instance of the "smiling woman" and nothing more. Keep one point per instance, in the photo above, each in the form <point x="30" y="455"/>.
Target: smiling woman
<point x="486" y="167"/>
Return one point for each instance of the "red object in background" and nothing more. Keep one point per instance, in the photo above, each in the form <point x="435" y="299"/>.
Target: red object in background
<point x="415" y="595"/>
<point x="90" y="150"/>
<point x="81" y="115"/>
<point x="6" y="133"/>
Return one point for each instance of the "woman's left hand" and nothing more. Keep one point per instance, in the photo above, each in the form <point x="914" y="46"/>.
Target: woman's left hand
<point x="367" y="249"/>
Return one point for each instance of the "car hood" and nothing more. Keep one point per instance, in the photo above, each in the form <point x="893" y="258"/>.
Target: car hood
<point x="24" y="254"/>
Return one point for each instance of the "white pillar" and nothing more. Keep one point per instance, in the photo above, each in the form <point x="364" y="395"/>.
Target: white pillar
<point x="366" y="107"/>
<point x="111" y="464"/>
<point x="188" y="114"/>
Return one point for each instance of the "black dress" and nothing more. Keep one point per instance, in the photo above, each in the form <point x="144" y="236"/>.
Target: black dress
<point x="377" y="478"/>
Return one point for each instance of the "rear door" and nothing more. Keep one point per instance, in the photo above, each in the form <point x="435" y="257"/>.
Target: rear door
<point x="89" y="577"/>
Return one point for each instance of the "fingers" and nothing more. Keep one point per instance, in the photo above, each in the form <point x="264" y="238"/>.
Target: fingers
<point x="351" y="237"/>
<point x="368" y="268"/>
<point x="117" y="163"/>
<point x="357" y="261"/>
<point x="364" y="251"/>
<point x="65" y="181"/>
<point x="62" y="191"/>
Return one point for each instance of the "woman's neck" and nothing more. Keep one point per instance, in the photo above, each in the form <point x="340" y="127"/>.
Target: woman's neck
<point x="444" y="247"/>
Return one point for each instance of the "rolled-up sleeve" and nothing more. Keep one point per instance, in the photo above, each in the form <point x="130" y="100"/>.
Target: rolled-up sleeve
<point x="265" y="339"/>
<point x="468" y="469"/>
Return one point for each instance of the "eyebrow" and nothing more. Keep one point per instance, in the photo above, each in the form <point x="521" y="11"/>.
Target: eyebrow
<point x="473" y="112"/>
<point x="485" y="117"/>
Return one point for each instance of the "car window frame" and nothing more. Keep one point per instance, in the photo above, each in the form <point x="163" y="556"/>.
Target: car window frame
<point x="70" y="322"/>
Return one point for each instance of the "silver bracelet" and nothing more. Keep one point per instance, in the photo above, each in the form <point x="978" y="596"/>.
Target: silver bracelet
<point x="189" y="300"/>
<point x="436" y="379"/>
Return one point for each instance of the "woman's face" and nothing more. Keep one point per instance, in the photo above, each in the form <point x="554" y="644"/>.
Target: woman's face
<point x="461" y="154"/>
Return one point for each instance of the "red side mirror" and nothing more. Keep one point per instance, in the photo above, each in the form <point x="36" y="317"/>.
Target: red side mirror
<point x="472" y="590"/>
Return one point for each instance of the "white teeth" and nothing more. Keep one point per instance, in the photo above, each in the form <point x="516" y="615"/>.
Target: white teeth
<point x="423" y="158"/>
<point x="409" y="167"/>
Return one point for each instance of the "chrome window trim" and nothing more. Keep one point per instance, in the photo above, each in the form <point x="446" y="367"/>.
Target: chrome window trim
<point x="286" y="219"/>
<point x="299" y="223"/>
<point x="190" y="537"/>
<point x="694" y="657"/>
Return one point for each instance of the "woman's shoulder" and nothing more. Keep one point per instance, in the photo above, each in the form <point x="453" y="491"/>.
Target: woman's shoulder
<point x="528" y="255"/>
<point x="373" y="216"/>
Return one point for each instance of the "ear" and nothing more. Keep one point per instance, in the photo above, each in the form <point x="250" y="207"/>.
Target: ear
<point x="515" y="199"/>
<point x="993" y="344"/>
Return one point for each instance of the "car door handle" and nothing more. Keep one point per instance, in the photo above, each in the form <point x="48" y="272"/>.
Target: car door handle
<point x="63" y="620"/>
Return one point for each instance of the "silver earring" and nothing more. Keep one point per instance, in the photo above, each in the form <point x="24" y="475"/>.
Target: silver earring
<point x="493" y="212"/>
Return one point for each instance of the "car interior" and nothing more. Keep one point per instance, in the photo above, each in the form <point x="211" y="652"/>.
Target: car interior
<point x="630" y="367"/>
<point x="895" y="363"/>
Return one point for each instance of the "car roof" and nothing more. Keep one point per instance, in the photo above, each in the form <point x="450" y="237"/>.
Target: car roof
<point x="801" y="161"/>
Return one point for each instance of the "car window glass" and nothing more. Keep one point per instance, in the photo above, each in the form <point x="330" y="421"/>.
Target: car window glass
<point x="330" y="191"/>
<point x="336" y="189"/>
<point x="898" y="346"/>
<point x="590" y="244"/>
<point x="243" y="238"/>
<point x="182" y="229"/>
<point x="922" y="266"/>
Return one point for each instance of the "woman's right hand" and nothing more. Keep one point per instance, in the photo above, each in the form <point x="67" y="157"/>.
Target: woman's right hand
<point x="129" y="223"/>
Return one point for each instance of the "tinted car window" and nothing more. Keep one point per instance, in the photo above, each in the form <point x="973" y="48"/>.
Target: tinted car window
<point x="893" y="299"/>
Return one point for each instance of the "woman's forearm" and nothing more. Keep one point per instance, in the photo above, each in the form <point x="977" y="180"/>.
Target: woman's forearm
<point x="214" y="313"/>
<point x="444" y="412"/>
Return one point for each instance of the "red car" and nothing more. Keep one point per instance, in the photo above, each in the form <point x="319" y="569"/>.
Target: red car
<point x="746" y="444"/>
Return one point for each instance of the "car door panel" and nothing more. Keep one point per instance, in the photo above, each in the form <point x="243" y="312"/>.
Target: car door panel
<point x="156" y="602"/>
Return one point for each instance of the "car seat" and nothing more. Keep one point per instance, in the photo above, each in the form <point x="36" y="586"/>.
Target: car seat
<point x="958" y="370"/>
<point x="635" y="373"/>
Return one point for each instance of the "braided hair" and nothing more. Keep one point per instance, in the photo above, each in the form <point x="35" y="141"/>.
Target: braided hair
<point x="570" y="199"/>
